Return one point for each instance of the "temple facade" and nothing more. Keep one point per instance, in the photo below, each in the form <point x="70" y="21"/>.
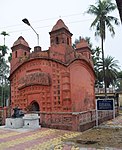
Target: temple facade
<point x="58" y="82"/>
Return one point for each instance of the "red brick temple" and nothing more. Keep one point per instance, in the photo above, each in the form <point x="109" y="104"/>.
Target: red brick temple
<point x="58" y="82"/>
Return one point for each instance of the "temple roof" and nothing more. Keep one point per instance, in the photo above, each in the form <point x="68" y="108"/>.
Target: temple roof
<point x="20" y="40"/>
<point x="59" y="25"/>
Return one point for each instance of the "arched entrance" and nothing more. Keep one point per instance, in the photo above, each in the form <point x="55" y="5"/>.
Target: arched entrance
<point x="35" y="106"/>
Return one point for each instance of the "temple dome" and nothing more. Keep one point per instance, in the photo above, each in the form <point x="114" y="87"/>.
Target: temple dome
<point x="59" y="25"/>
<point x="21" y="41"/>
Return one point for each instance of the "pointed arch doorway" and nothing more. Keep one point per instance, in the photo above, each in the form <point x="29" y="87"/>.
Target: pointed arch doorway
<point x="35" y="106"/>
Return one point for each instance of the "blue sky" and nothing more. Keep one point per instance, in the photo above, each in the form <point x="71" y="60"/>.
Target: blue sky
<point x="44" y="14"/>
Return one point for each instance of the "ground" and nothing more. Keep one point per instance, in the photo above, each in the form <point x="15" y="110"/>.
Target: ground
<point x="99" y="137"/>
<point x="108" y="136"/>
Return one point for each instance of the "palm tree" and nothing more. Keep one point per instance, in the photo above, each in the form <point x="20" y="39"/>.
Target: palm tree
<point x="4" y="34"/>
<point x="3" y="50"/>
<point x="4" y="73"/>
<point x="96" y="55"/>
<point x="102" y="21"/>
<point x="4" y="70"/>
<point x="111" y="71"/>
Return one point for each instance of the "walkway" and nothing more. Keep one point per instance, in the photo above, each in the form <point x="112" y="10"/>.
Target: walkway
<point x="45" y="139"/>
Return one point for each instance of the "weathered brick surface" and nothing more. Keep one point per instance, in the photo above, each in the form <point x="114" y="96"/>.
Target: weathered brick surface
<point x="60" y="79"/>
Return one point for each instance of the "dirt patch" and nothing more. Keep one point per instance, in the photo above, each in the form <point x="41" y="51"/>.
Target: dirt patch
<point x="100" y="137"/>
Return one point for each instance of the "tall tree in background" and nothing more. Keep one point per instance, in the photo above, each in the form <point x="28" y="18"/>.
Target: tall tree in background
<point x="102" y="21"/>
<point x="3" y="48"/>
<point x="4" y="82"/>
<point x="4" y="34"/>
<point x="111" y="71"/>
<point x="4" y="73"/>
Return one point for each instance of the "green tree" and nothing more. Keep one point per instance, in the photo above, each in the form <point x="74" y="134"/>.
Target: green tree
<point x="4" y="82"/>
<point x="102" y="21"/>
<point x="111" y="71"/>
<point x="4" y="33"/>
<point x="4" y="73"/>
<point x="10" y="57"/>
<point x="3" y="50"/>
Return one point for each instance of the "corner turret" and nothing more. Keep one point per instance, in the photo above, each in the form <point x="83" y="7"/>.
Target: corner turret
<point x="60" y="34"/>
<point x="20" y="49"/>
<point x="83" y="48"/>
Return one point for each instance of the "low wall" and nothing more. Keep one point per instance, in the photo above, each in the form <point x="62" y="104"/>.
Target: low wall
<point x="76" y="121"/>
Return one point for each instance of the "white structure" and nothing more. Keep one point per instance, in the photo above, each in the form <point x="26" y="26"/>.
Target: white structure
<point x="14" y="123"/>
<point x="31" y="121"/>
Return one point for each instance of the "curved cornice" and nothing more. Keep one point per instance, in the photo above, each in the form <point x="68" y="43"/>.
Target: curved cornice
<point x="55" y="60"/>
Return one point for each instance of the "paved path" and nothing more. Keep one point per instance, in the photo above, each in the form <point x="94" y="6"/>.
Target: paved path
<point x="114" y="123"/>
<point x="45" y="139"/>
<point x="41" y="139"/>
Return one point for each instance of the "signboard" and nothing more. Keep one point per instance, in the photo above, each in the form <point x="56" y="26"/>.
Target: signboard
<point x="105" y="104"/>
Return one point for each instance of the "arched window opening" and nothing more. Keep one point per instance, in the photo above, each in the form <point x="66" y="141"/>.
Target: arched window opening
<point x="89" y="56"/>
<point x="16" y="54"/>
<point x="25" y="53"/>
<point x="34" y="106"/>
<point x="57" y="40"/>
<point x="68" y="41"/>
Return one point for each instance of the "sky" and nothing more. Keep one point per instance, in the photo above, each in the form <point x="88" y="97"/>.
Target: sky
<point x="43" y="15"/>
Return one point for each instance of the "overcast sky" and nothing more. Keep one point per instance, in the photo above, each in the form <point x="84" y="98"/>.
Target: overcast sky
<point x="44" y="14"/>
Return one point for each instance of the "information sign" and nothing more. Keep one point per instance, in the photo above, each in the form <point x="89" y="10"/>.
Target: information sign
<point x="103" y="104"/>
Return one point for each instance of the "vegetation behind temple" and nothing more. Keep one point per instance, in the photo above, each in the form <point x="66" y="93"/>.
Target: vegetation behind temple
<point x="4" y="74"/>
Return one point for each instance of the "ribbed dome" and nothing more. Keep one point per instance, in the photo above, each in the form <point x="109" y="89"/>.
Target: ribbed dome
<point x="59" y="25"/>
<point x="20" y="40"/>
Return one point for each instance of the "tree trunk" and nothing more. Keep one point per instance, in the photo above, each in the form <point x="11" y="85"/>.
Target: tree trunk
<point x="102" y="41"/>
<point x="4" y="40"/>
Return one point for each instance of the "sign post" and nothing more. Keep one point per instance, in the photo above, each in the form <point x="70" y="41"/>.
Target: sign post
<point x="104" y="105"/>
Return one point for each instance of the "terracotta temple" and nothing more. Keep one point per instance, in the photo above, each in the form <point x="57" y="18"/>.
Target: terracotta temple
<point x="58" y="82"/>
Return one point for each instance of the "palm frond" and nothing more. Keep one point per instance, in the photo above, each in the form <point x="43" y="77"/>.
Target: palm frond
<point x="113" y="19"/>
<point x="4" y="33"/>
<point x="93" y="10"/>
